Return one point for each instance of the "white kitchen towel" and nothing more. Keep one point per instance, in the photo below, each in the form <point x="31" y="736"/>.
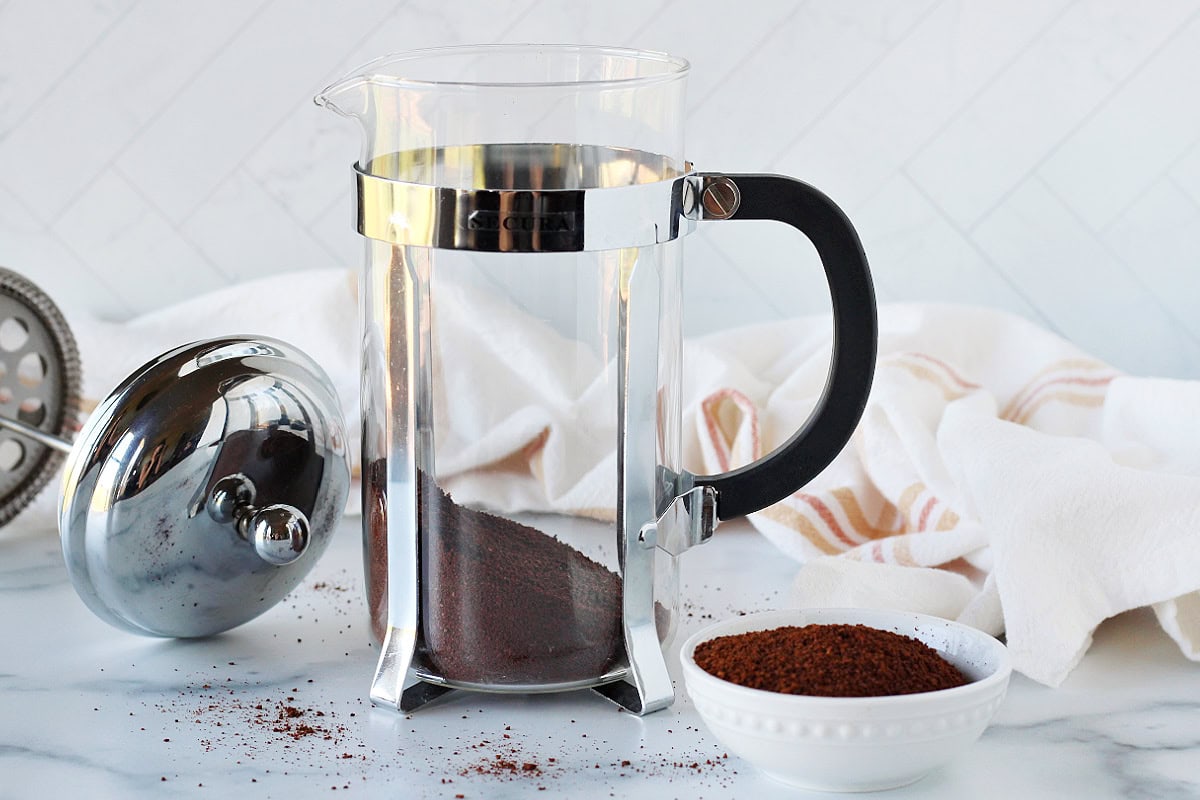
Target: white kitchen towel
<point x="317" y="311"/>
<point x="1000" y="476"/>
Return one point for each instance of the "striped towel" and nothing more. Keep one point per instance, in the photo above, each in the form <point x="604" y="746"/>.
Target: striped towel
<point x="999" y="476"/>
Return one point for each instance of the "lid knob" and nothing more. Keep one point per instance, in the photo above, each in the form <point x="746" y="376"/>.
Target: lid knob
<point x="279" y="532"/>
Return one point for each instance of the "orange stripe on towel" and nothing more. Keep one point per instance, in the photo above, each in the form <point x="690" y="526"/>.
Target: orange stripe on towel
<point x="791" y="518"/>
<point x="1021" y="412"/>
<point x="924" y="373"/>
<point x="887" y="519"/>
<point x="1069" y="398"/>
<point x="962" y="382"/>
<point x="722" y="438"/>
<point x="828" y="518"/>
<point x="948" y="521"/>
<point x="923" y="520"/>
<point x="714" y="433"/>
<point x="951" y="384"/>
<point x="858" y="520"/>
<point x="1062" y="369"/>
<point x="907" y="498"/>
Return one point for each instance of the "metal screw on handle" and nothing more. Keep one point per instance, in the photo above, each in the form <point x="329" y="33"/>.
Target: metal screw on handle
<point x="279" y="533"/>
<point x="720" y="197"/>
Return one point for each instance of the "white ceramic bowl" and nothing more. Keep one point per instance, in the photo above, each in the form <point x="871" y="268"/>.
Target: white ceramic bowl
<point x="853" y="744"/>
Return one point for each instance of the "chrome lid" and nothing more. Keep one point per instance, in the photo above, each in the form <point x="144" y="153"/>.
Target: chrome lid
<point x="204" y="488"/>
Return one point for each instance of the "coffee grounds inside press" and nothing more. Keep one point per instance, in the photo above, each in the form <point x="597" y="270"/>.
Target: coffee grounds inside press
<point x="503" y="603"/>
<point x="375" y="556"/>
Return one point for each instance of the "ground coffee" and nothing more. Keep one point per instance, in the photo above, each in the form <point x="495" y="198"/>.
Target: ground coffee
<point x="502" y="603"/>
<point x="828" y="660"/>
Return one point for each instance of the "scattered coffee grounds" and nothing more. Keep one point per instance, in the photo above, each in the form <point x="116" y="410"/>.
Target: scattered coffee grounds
<point x="518" y="757"/>
<point x="502" y="603"/>
<point x="828" y="660"/>
<point x="501" y="767"/>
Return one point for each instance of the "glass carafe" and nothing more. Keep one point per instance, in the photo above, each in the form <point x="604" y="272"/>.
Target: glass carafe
<point x="523" y="488"/>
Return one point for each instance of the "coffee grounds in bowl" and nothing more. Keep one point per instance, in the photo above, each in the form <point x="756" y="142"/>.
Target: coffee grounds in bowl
<point x="829" y="661"/>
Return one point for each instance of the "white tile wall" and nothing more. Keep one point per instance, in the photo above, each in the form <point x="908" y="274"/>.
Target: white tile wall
<point x="1041" y="156"/>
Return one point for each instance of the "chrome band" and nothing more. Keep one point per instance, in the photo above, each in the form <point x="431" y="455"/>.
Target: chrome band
<point x="525" y="198"/>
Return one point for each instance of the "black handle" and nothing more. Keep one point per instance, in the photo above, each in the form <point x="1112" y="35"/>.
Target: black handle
<point x="855" y="333"/>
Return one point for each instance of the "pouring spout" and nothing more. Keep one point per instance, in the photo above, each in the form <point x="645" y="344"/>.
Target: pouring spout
<point x="348" y="97"/>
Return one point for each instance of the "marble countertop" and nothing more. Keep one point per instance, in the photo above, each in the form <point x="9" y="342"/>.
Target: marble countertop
<point x="277" y="707"/>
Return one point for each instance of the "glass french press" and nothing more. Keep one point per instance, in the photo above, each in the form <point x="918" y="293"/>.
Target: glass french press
<point x="524" y="208"/>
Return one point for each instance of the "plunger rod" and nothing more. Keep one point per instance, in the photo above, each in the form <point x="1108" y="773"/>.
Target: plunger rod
<point x="37" y="434"/>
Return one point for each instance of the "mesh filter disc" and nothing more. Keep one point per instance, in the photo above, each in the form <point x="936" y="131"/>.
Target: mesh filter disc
<point x="39" y="385"/>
